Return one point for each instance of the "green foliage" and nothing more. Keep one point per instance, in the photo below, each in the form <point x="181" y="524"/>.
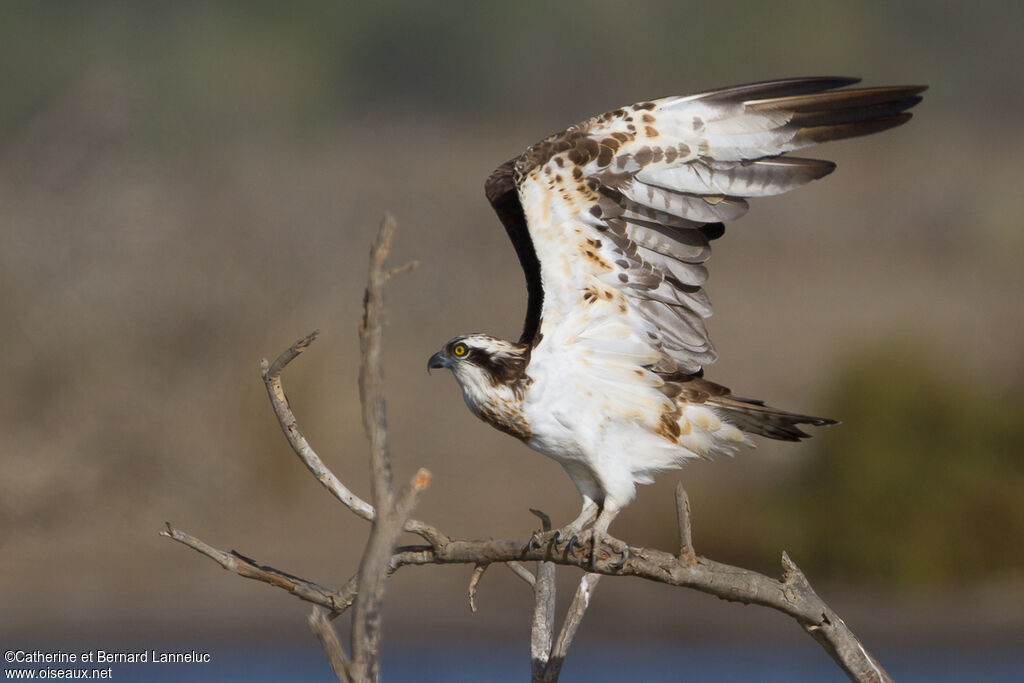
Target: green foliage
<point x="925" y="483"/>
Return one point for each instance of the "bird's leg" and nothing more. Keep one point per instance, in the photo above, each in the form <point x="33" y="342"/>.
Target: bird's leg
<point x="600" y="536"/>
<point x="570" y="531"/>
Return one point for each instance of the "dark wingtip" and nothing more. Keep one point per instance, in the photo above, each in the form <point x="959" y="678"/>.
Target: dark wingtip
<point x="836" y="81"/>
<point x="778" y="88"/>
<point x="828" y="133"/>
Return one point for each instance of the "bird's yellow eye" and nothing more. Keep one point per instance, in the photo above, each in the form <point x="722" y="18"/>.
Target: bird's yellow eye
<point x="460" y="350"/>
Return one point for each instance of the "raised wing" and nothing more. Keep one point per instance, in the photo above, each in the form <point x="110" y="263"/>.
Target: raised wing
<point x="615" y="215"/>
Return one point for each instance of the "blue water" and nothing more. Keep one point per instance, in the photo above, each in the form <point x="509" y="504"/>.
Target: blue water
<point x="715" y="664"/>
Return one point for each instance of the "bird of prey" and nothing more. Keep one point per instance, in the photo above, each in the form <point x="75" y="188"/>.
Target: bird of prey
<point x="612" y="222"/>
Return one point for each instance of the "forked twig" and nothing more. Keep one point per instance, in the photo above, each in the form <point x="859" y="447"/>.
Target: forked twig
<point x="573" y="618"/>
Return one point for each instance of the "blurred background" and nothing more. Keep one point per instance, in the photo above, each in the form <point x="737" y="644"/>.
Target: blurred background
<point x="188" y="187"/>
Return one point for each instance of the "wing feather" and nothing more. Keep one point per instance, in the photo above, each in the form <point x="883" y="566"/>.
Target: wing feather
<point x="760" y="178"/>
<point x="616" y="214"/>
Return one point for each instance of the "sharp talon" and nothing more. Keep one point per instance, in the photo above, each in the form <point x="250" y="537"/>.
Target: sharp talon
<point x="622" y="563"/>
<point x="555" y="537"/>
<point x="573" y="542"/>
<point x="615" y="548"/>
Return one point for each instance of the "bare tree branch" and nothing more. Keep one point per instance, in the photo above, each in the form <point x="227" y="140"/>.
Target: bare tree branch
<point x="833" y="634"/>
<point x="686" y="553"/>
<point x="573" y="618"/>
<point x="336" y="601"/>
<point x="392" y="511"/>
<point x="371" y="375"/>
<point x="478" y="572"/>
<point x="404" y="268"/>
<point x="522" y="572"/>
<point x="272" y="379"/>
<point x="792" y="594"/>
<point x="271" y="374"/>
<point x="373" y="571"/>
<point x="328" y="638"/>
<point x="543" y="624"/>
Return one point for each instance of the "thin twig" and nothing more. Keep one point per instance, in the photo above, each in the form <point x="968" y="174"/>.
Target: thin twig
<point x="289" y="425"/>
<point x="271" y="374"/>
<point x="522" y="572"/>
<point x="478" y="572"/>
<point x="404" y="268"/>
<point x="392" y="510"/>
<point x="288" y="355"/>
<point x="573" y="618"/>
<point x="371" y="375"/>
<point x="328" y="638"/>
<point x="686" y="552"/>
<point x="336" y="601"/>
<point x="545" y="521"/>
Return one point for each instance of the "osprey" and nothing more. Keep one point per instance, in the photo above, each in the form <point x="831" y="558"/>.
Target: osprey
<point x="612" y="221"/>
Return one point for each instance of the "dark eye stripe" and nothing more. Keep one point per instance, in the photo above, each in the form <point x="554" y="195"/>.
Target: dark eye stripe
<point x="501" y="369"/>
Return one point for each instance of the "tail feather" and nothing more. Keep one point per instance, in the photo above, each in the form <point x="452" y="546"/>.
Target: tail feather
<point x="753" y="416"/>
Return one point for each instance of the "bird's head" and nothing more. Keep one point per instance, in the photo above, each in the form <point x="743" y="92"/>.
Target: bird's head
<point x="479" y="360"/>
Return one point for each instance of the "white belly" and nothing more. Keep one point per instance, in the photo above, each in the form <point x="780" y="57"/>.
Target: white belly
<point x="607" y="445"/>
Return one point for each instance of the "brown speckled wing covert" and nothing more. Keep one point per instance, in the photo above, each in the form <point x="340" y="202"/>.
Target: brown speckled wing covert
<point x="618" y="212"/>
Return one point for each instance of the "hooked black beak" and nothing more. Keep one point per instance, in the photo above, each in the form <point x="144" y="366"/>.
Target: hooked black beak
<point x="437" y="361"/>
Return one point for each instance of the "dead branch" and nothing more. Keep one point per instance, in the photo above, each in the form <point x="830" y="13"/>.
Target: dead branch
<point x="522" y="572"/>
<point x="543" y="624"/>
<point x="272" y="379"/>
<point x="573" y="618"/>
<point x="371" y="370"/>
<point x="686" y="553"/>
<point x="474" y="580"/>
<point x="392" y="511"/>
<point x="328" y="637"/>
<point x="791" y="594"/>
<point x="337" y="601"/>
<point x="271" y="374"/>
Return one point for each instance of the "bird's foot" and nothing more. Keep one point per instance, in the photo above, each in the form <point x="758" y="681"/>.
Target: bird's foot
<point x="537" y="541"/>
<point x="565" y="540"/>
<point x="608" y="551"/>
<point x="541" y="540"/>
<point x="571" y="536"/>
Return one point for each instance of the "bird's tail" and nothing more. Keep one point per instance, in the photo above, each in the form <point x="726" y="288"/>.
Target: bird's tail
<point x="753" y="416"/>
